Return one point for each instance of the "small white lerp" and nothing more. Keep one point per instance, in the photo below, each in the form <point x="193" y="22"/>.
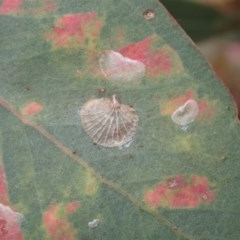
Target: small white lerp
<point x="186" y="113"/>
<point x="94" y="223"/>
<point x="118" y="68"/>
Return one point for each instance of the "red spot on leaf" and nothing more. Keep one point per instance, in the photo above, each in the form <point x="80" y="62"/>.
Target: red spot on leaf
<point x="10" y="6"/>
<point x="3" y="187"/>
<point x="9" y="220"/>
<point x="72" y="207"/>
<point x="3" y="228"/>
<point x="200" y="187"/>
<point x="158" y="60"/>
<point x="43" y="7"/>
<point x="184" y="199"/>
<point x="182" y="99"/>
<point x="49" y="5"/>
<point x="176" y="182"/>
<point x="169" y="106"/>
<point x="153" y="197"/>
<point x="32" y="109"/>
<point x="75" y="29"/>
<point x="179" y="192"/>
<point x="205" y="110"/>
<point x="14" y="6"/>
<point x="9" y="224"/>
<point x="56" y="221"/>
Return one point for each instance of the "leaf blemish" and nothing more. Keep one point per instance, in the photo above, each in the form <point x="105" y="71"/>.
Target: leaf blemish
<point x="32" y="109"/>
<point x="91" y="185"/>
<point x="205" y="107"/>
<point x="27" y="88"/>
<point x="72" y="207"/>
<point x="186" y="113"/>
<point x="223" y="158"/>
<point x="176" y="182"/>
<point x="10" y="222"/>
<point x="10" y="6"/>
<point x="3" y="187"/>
<point x="180" y="192"/>
<point x="101" y="92"/>
<point x="3" y="227"/>
<point x="56" y="221"/>
<point x="157" y="60"/>
<point x="148" y="14"/>
<point x="75" y="29"/>
<point x="74" y="152"/>
<point x="49" y="5"/>
<point x="118" y="68"/>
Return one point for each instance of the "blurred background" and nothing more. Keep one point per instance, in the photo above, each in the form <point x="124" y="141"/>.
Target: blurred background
<point x="214" y="25"/>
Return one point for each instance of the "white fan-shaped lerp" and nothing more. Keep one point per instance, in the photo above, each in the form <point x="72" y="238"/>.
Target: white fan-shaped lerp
<point x="118" y="68"/>
<point x="107" y="122"/>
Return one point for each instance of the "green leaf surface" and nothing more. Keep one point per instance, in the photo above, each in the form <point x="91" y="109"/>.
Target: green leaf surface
<point x="171" y="182"/>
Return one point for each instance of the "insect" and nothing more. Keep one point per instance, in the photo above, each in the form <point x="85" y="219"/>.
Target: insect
<point x="108" y="122"/>
<point x="186" y="113"/>
<point x="117" y="68"/>
<point x="94" y="223"/>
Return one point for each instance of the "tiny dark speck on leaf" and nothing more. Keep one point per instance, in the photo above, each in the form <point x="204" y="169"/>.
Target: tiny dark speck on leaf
<point x="102" y="90"/>
<point x="74" y="152"/>
<point x="27" y="88"/>
<point x="148" y="14"/>
<point x="175" y="228"/>
<point x="223" y="158"/>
